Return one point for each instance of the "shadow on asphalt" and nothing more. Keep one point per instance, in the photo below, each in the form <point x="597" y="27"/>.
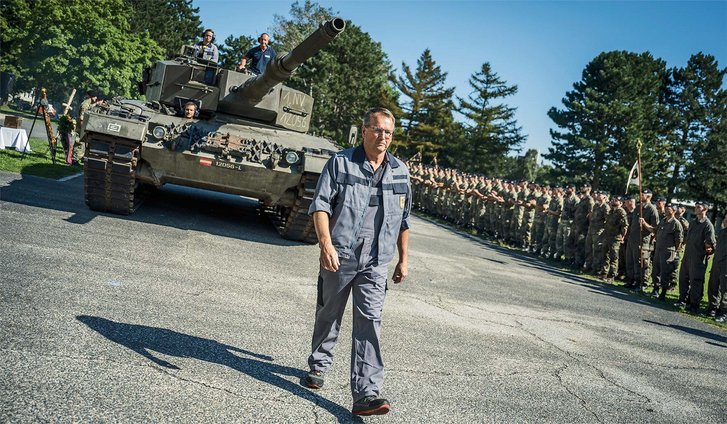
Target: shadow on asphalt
<point x="695" y="332"/>
<point x="568" y="276"/>
<point x="175" y="206"/>
<point x="144" y="340"/>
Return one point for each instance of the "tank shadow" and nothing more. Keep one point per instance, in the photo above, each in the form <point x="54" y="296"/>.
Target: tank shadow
<point x="175" y="206"/>
<point x="145" y="340"/>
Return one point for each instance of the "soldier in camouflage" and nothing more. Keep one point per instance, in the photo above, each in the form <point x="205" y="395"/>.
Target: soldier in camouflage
<point x="668" y="240"/>
<point x="581" y="220"/>
<point x="611" y="238"/>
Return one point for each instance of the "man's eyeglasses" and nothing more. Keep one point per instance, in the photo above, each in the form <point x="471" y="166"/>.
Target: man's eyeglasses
<point x="379" y="131"/>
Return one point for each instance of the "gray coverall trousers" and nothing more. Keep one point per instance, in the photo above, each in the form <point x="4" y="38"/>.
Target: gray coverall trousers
<point x="362" y="275"/>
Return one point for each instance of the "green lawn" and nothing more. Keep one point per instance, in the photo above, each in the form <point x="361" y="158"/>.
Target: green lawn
<point x="38" y="162"/>
<point x="26" y="115"/>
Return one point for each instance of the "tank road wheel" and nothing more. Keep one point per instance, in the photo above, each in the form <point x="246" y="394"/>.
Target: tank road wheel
<point x="109" y="168"/>
<point x="294" y="223"/>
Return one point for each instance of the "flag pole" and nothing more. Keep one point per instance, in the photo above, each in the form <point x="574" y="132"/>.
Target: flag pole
<point x="641" y="214"/>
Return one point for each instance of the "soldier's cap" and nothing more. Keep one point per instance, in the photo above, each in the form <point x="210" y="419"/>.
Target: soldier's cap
<point x="570" y="185"/>
<point x="671" y="205"/>
<point x="617" y="198"/>
<point x="91" y="93"/>
<point x="629" y="197"/>
<point x="586" y="185"/>
<point x="647" y="191"/>
<point x="701" y="203"/>
<point x="661" y="199"/>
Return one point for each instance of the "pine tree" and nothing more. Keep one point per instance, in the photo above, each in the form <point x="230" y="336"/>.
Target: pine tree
<point x="706" y="174"/>
<point x="694" y="108"/>
<point x="616" y="104"/>
<point x="171" y="23"/>
<point x="427" y="119"/>
<point x="494" y="131"/>
<point x="233" y="49"/>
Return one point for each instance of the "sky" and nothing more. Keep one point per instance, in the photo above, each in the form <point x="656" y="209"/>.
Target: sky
<point x="540" y="46"/>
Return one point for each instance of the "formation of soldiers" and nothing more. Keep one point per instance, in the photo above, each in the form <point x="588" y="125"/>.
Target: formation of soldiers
<point x="611" y="237"/>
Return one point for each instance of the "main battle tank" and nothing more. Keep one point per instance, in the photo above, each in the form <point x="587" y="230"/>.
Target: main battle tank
<point x="249" y="138"/>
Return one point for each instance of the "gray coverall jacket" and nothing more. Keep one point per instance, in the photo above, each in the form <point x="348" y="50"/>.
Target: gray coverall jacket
<point x="368" y="209"/>
<point x="343" y="191"/>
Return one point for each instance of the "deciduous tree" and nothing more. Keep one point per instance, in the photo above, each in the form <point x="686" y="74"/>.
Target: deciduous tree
<point x="346" y="78"/>
<point x="170" y="23"/>
<point x="65" y="44"/>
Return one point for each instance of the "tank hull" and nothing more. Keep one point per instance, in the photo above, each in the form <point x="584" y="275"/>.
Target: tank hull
<point x="126" y="155"/>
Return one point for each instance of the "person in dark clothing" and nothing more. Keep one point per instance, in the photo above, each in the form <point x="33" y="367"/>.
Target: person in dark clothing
<point x="258" y="56"/>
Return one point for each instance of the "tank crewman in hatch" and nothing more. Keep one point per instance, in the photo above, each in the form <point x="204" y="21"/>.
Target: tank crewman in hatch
<point x="190" y="110"/>
<point x="206" y="49"/>
<point x="259" y="56"/>
<point x="361" y="212"/>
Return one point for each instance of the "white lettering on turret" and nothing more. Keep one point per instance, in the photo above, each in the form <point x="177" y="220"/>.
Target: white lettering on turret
<point x="291" y="120"/>
<point x="298" y="100"/>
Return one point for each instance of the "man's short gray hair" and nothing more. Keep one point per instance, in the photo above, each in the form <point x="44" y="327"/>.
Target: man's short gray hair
<point x="377" y="110"/>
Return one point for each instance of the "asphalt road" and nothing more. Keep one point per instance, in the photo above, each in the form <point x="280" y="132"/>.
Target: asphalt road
<point x="193" y="310"/>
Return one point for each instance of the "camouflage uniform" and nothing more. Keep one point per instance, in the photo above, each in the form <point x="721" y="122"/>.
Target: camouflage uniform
<point x="539" y="222"/>
<point x="580" y="229"/>
<point x="669" y="237"/>
<point x="554" y="210"/>
<point x="623" y="271"/>
<point x="528" y="218"/>
<point x="595" y="228"/>
<point x="639" y="244"/>
<point x="694" y="264"/>
<point x="611" y="238"/>
<point x="564" y="228"/>
<point x="717" y="286"/>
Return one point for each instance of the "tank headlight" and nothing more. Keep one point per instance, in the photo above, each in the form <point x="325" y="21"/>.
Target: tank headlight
<point x="291" y="157"/>
<point x="159" y="132"/>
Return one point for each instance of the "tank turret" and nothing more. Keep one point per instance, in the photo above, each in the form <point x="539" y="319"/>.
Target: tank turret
<point x="258" y="97"/>
<point x="280" y="69"/>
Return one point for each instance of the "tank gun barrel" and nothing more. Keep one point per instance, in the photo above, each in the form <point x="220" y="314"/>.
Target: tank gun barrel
<point x="280" y="69"/>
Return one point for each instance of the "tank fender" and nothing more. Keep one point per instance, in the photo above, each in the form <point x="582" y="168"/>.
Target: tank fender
<point x="145" y="173"/>
<point x="314" y="162"/>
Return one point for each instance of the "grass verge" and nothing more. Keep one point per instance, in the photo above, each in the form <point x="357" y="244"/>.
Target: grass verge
<point x="37" y="162"/>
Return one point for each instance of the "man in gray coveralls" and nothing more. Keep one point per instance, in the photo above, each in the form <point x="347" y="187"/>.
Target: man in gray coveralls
<point x="360" y="212"/>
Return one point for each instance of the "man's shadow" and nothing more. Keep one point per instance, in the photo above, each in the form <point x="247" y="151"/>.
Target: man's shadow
<point x="145" y="340"/>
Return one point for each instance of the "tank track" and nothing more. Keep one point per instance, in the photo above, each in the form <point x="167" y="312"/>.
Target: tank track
<point x="294" y="223"/>
<point x="109" y="168"/>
